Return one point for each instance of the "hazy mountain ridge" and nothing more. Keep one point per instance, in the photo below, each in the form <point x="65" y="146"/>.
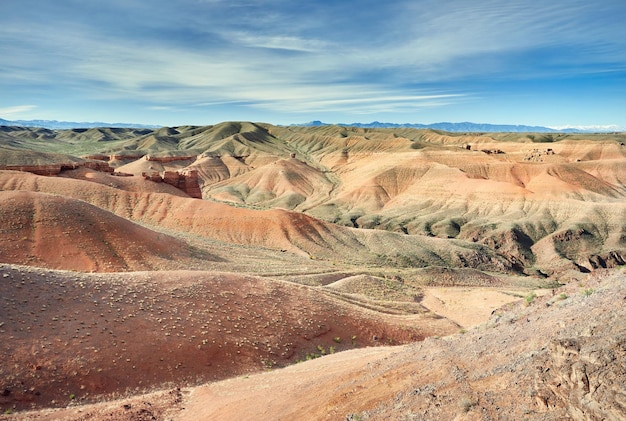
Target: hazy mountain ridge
<point x="459" y="127"/>
<point x="62" y="125"/>
<point x="469" y="127"/>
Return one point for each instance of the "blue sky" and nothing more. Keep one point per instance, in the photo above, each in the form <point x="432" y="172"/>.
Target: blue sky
<point x="174" y="62"/>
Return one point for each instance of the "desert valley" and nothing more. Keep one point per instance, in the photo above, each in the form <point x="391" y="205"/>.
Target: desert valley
<point x="252" y="271"/>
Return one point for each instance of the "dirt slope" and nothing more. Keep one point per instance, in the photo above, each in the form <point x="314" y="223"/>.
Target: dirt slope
<point x="277" y="229"/>
<point x="337" y="238"/>
<point x="72" y="336"/>
<point x="536" y="362"/>
<point x="62" y="233"/>
<point x="522" y="365"/>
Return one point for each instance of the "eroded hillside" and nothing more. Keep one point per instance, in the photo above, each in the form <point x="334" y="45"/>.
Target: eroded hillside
<point x="519" y="199"/>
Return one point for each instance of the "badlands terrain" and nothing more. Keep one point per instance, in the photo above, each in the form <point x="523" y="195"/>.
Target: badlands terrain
<point x="250" y="271"/>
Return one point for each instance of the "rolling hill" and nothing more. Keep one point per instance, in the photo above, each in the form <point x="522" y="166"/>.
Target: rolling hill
<point x="516" y="194"/>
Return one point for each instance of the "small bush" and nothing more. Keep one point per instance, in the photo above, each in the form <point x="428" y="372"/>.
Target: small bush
<point x="530" y="298"/>
<point x="587" y="292"/>
<point x="466" y="404"/>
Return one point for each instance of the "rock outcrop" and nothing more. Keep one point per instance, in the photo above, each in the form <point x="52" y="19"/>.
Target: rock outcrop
<point x="101" y="166"/>
<point x="588" y="374"/>
<point x="57" y="168"/>
<point x="185" y="180"/>
<point x="172" y="158"/>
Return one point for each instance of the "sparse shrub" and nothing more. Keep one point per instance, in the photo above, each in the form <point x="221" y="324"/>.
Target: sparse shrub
<point x="269" y="364"/>
<point x="562" y="296"/>
<point x="551" y="284"/>
<point x="588" y="291"/>
<point x="530" y="298"/>
<point x="331" y="350"/>
<point x="72" y="396"/>
<point x="337" y="339"/>
<point x="466" y="404"/>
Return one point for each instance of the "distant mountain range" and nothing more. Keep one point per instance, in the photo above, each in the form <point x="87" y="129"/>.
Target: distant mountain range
<point x="471" y="127"/>
<point x="464" y="127"/>
<point x="61" y="125"/>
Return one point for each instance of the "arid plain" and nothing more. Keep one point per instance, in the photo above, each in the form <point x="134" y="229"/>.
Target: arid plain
<point x="251" y="271"/>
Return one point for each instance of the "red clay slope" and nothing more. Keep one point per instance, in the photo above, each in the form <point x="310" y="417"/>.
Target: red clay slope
<point x="97" y="335"/>
<point x="57" y="232"/>
<point x="274" y="229"/>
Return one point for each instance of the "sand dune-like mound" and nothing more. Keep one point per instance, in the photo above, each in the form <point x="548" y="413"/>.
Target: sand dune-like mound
<point x="163" y="139"/>
<point x="81" y="337"/>
<point x="130" y="184"/>
<point x="58" y="232"/>
<point x="149" y="164"/>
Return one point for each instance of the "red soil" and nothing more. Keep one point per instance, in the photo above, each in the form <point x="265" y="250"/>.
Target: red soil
<point x="106" y="335"/>
<point x="57" y="232"/>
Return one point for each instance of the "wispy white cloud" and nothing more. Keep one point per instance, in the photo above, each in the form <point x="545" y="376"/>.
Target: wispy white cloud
<point x="358" y="56"/>
<point x="278" y="42"/>
<point x="16" y="109"/>
<point x="446" y="40"/>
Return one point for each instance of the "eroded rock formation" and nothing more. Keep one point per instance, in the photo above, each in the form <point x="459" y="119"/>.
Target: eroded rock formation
<point x="185" y="180"/>
<point x="57" y="168"/>
<point x="588" y="374"/>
